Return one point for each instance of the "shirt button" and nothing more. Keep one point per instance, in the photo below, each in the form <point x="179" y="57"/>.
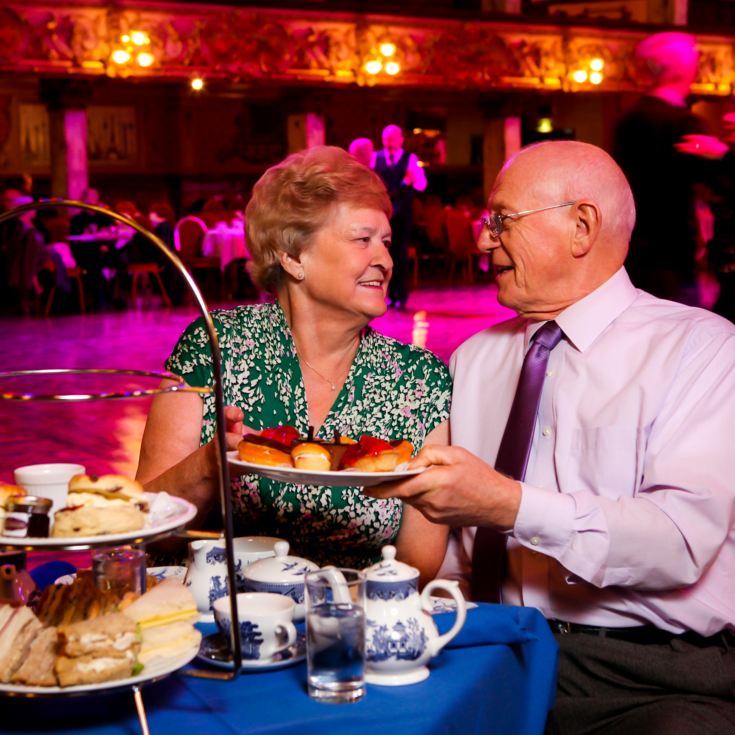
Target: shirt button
<point x="535" y="540"/>
<point x="549" y="373"/>
<point x="546" y="431"/>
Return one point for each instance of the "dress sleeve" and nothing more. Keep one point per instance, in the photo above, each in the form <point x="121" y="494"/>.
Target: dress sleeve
<point x="192" y="356"/>
<point x="437" y="387"/>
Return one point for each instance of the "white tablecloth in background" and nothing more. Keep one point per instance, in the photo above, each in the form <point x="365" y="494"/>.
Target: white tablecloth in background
<point x="226" y="242"/>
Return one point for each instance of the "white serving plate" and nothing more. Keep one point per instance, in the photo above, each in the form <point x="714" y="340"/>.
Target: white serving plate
<point x="343" y="478"/>
<point x="157" y="669"/>
<point x="175" y="513"/>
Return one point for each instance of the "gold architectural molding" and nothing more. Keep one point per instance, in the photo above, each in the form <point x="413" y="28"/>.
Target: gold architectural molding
<point x="247" y="44"/>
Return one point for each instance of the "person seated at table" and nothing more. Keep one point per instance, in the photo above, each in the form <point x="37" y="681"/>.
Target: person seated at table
<point x="25" y="253"/>
<point x="606" y="499"/>
<point x="86" y="220"/>
<point x="162" y="220"/>
<point x="318" y="232"/>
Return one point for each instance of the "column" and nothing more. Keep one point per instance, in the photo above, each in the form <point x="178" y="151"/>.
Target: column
<point x="502" y="138"/>
<point x="668" y="11"/>
<point x="67" y="101"/>
<point x="305" y="130"/>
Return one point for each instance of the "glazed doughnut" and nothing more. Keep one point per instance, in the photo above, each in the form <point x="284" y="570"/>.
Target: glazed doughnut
<point x="311" y="456"/>
<point x="336" y="449"/>
<point x="370" y="454"/>
<point x="261" y="450"/>
<point x="404" y="450"/>
<point x="283" y="434"/>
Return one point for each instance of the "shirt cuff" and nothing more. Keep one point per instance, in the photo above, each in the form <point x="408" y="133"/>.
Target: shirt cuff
<point x="545" y="519"/>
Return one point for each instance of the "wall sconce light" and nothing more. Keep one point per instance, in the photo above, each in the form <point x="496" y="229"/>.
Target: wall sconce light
<point x="544" y="125"/>
<point x="590" y="71"/>
<point x="134" y="47"/>
<point x="197" y="84"/>
<point x="383" y="60"/>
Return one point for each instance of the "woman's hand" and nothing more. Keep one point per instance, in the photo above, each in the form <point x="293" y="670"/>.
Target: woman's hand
<point x="234" y="427"/>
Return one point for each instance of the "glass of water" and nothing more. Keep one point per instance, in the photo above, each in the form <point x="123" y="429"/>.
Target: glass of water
<point x="335" y="634"/>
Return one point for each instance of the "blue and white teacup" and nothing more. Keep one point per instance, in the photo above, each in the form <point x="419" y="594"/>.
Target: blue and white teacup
<point x="265" y="620"/>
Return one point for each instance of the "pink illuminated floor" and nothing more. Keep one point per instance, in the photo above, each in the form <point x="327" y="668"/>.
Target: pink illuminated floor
<point x="105" y="435"/>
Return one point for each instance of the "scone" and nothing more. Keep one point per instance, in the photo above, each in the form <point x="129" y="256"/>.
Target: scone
<point x="6" y="493"/>
<point x="87" y="520"/>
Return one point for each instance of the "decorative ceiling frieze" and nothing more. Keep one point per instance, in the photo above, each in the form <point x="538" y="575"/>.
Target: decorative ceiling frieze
<point x="246" y="44"/>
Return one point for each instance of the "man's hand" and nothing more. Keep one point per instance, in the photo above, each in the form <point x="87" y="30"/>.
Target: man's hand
<point x="458" y="489"/>
<point x="704" y="146"/>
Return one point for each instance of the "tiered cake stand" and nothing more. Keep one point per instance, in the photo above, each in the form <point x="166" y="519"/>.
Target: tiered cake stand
<point x="179" y="385"/>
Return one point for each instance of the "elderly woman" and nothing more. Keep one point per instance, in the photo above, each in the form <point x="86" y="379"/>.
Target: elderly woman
<point x="318" y="233"/>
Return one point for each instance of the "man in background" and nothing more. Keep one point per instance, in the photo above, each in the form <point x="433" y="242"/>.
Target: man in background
<point x="403" y="176"/>
<point x="362" y="150"/>
<point x="664" y="246"/>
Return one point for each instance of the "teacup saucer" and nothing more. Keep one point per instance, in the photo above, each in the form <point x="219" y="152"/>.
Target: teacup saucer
<point x="215" y="651"/>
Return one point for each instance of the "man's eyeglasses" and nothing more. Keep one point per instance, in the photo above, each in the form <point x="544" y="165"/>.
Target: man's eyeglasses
<point x="494" y="223"/>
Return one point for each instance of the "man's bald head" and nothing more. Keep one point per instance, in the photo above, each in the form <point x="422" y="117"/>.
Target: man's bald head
<point x="392" y="137"/>
<point x="573" y="171"/>
<point x="575" y="236"/>
<point x="667" y="58"/>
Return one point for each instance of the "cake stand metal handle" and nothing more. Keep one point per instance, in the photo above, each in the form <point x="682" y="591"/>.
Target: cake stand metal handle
<point x="140" y="708"/>
<point x="222" y="468"/>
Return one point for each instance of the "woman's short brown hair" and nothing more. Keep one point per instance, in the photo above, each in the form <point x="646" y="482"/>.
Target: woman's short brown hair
<point x="293" y="199"/>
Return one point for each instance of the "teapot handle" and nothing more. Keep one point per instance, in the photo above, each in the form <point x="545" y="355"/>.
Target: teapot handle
<point x="452" y="587"/>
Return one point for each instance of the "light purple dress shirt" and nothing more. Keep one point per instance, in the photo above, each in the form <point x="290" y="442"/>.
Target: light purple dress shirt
<point x="628" y="506"/>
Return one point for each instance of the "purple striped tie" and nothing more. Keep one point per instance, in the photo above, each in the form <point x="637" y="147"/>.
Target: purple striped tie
<point x="488" y="553"/>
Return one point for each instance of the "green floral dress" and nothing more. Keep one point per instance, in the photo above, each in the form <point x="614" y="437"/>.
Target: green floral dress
<point x="393" y="391"/>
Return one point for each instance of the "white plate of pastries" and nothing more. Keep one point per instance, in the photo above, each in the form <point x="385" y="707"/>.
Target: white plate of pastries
<point x="106" y="510"/>
<point x="82" y="640"/>
<point x="280" y="454"/>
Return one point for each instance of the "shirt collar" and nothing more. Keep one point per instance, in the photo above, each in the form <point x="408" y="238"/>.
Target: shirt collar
<point x="585" y="320"/>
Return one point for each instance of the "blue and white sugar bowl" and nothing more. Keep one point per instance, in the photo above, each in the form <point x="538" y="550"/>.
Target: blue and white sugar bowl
<point x="400" y="636"/>
<point x="282" y="574"/>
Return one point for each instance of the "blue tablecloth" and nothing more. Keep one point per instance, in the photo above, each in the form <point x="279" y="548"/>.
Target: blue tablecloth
<point x="498" y="675"/>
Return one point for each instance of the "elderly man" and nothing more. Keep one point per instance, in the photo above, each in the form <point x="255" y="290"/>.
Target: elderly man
<point x="402" y="175"/>
<point x="593" y="454"/>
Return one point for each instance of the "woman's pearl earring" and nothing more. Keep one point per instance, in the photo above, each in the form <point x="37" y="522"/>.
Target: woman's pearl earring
<point x="301" y="276"/>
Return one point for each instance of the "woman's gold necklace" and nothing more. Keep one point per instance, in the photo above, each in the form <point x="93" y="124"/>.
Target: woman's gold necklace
<point x="332" y="383"/>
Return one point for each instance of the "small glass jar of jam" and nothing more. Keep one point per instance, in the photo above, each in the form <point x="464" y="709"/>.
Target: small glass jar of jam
<point x="27" y="516"/>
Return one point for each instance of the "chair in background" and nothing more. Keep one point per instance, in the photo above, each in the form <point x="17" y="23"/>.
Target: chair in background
<point x="73" y="271"/>
<point x="150" y="272"/>
<point x="188" y="237"/>
<point x="462" y="246"/>
<point x="428" y="249"/>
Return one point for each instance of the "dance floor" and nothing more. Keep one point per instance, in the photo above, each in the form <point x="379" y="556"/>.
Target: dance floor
<point x="104" y="435"/>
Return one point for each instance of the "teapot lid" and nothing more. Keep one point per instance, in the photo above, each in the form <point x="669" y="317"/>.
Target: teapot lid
<point x="390" y="570"/>
<point x="279" y="568"/>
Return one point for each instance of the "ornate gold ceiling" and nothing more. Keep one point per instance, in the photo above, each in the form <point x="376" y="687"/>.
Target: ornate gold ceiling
<point x="237" y="44"/>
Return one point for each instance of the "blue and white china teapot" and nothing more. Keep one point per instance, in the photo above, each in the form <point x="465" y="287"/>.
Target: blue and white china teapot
<point x="400" y="636"/>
